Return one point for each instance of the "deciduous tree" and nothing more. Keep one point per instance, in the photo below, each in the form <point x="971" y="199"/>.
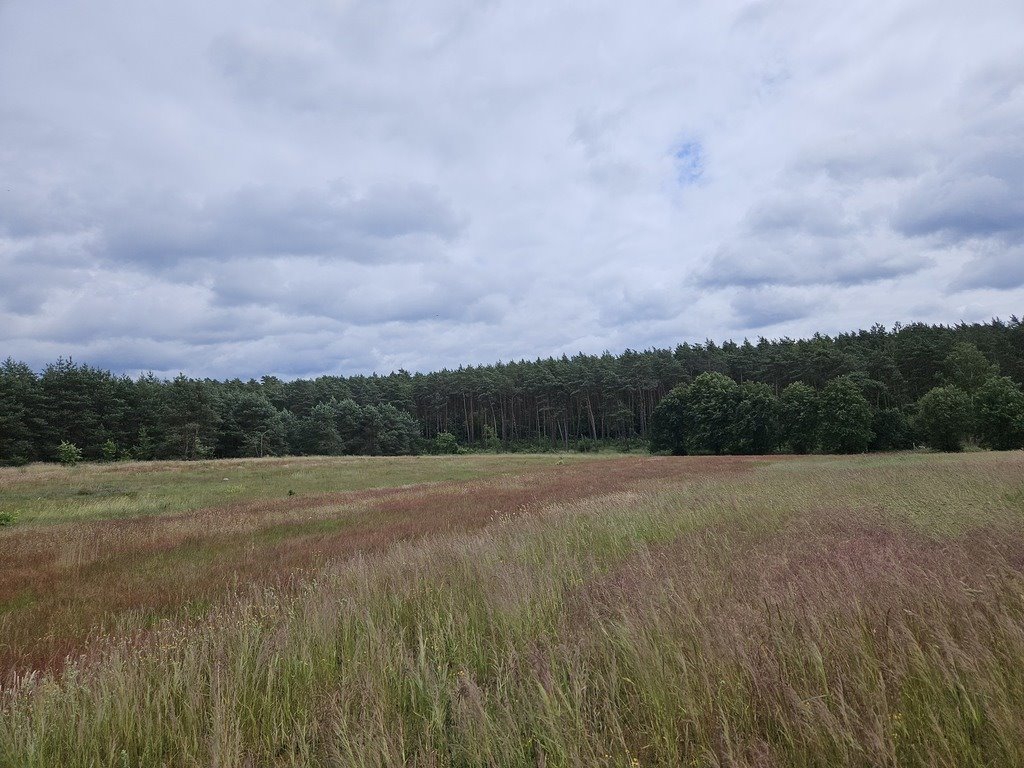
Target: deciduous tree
<point x="944" y="417"/>
<point x="999" y="412"/>
<point x="845" y="425"/>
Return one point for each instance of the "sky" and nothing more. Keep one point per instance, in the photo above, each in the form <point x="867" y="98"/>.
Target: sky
<point x="347" y="186"/>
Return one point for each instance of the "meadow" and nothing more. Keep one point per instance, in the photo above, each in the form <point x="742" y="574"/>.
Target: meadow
<point x="515" y="611"/>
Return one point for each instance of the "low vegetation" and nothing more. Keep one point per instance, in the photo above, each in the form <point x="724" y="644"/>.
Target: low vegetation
<point x="605" y="612"/>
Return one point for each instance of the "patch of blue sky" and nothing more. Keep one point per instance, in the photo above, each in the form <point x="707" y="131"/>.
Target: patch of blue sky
<point x="690" y="161"/>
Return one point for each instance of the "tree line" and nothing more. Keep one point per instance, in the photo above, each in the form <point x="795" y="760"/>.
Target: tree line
<point x="581" y="402"/>
<point x="716" y="415"/>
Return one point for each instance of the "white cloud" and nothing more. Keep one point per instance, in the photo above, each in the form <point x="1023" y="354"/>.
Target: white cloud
<point x="347" y="186"/>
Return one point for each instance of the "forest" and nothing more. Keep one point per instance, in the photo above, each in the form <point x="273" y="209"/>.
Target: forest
<point x="877" y="389"/>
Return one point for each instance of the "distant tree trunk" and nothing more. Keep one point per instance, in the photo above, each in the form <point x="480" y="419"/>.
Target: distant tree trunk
<point x="593" y="423"/>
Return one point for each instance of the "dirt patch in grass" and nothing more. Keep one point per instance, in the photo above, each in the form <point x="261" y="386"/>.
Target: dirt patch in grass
<point x="61" y="585"/>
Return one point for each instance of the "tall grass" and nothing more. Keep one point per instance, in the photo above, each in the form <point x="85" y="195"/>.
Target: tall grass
<point x="808" y="614"/>
<point x="60" y="583"/>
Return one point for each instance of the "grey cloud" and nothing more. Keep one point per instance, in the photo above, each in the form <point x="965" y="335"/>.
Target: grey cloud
<point x="90" y="313"/>
<point x="27" y="211"/>
<point x="763" y="308"/>
<point x="995" y="87"/>
<point x="802" y="215"/>
<point x="815" y="234"/>
<point x="355" y="294"/>
<point x="288" y="72"/>
<point x="31" y="269"/>
<point x="26" y="289"/>
<point x="382" y="224"/>
<point x="642" y="305"/>
<point x="853" y="158"/>
<point x="592" y="130"/>
<point x="960" y="206"/>
<point x="753" y="13"/>
<point x="976" y="189"/>
<point x="804" y="262"/>
<point x="993" y="265"/>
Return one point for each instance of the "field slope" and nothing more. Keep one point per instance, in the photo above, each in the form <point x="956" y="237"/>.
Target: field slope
<point x="516" y="611"/>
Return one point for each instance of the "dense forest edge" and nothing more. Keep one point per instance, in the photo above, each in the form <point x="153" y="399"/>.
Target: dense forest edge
<point x="941" y="386"/>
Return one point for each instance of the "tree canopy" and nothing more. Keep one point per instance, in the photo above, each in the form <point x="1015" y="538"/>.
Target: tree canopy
<point x="750" y="397"/>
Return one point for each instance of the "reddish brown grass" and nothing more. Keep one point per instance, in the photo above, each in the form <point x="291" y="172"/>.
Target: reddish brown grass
<point x="62" y="584"/>
<point x="827" y="580"/>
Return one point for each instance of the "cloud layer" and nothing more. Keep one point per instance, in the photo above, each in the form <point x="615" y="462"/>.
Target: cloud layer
<point x="348" y="186"/>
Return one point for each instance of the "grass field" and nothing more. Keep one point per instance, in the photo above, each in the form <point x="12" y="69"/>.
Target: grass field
<point x="515" y="611"/>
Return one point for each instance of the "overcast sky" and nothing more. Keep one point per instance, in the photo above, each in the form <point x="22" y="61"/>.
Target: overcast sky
<point x="330" y="186"/>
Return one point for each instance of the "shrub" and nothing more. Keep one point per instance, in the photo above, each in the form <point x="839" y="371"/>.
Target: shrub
<point x="489" y="440"/>
<point x="144" y="449"/>
<point x="110" y="451"/>
<point x="8" y="518"/>
<point x="201" y="449"/>
<point x="446" y="443"/>
<point x="68" y="453"/>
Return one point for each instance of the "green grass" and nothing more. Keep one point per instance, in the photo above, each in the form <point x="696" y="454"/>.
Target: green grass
<point x="816" y="612"/>
<point x="46" y="493"/>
